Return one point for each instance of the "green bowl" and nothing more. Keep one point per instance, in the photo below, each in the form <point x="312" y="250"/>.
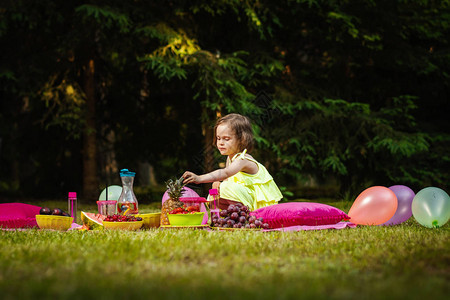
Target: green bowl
<point x="186" y="219"/>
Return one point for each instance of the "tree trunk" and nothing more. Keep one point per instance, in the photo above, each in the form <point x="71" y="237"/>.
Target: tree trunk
<point x="208" y="134"/>
<point x="209" y="154"/>
<point x="209" y="162"/>
<point x="90" y="180"/>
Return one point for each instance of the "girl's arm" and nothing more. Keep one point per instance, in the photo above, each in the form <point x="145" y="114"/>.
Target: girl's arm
<point x="219" y="174"/>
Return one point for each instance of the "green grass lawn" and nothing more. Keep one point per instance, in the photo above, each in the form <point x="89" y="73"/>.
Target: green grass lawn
<point x="367" y="262"/>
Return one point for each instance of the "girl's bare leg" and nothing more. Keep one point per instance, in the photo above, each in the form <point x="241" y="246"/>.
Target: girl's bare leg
<point x="224" y="203"/>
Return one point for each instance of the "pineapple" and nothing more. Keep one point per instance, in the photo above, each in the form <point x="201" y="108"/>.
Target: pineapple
<point x="175" y="191"/>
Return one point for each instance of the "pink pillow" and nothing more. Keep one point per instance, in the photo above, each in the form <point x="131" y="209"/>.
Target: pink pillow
<point x="300" y="213"/>
<point x="18" y="215"/>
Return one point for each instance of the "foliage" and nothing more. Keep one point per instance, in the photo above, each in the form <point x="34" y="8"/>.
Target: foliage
<point x="338" y="138"/>
<point x="65" y="106"/>
<point x="349" y="92"/>
<point x="346" y="101"/>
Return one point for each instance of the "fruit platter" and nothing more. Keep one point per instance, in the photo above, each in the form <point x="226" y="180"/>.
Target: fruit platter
<point x="181" y="212"/>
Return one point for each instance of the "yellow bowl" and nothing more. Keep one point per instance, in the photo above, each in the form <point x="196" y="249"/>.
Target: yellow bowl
<point x="150" y="220"/>
<point x="186" y="219"/>
<point x="123" y="225"/>
<point x="54" y="222"/>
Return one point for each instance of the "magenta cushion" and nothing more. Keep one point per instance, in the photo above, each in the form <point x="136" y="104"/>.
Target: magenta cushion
<point x="18" y="215"/>
<point x="300" y="213"/>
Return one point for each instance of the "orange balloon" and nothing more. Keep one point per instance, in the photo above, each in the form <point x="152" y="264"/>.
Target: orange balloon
<point x="373" y="206"/>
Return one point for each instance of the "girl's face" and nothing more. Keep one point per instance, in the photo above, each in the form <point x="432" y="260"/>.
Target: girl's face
<point x="226" y="140"/>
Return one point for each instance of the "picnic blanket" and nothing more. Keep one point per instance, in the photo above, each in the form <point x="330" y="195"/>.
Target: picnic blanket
<point x="22" y="216"/>
<point x="340" y="225"/>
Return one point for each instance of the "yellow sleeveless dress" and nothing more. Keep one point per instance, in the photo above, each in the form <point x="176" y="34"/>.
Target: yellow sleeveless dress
<point x="253" y="190"/>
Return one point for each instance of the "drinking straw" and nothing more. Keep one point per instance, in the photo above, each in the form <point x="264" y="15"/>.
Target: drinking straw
<point x="107" y="183"/>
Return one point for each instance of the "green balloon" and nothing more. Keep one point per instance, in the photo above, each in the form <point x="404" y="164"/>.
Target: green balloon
<point x="431" y="207"/>
<point x="114" y="192"/>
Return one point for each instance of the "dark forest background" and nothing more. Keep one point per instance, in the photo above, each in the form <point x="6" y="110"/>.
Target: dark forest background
<point x="343" y="95"/>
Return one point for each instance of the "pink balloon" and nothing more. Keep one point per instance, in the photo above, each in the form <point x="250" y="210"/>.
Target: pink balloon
<point x="188" y="192"/>
<point x="373" y="206"/>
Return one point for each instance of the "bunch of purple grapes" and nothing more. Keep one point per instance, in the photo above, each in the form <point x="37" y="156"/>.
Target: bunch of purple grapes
<point x="237" y="216"/>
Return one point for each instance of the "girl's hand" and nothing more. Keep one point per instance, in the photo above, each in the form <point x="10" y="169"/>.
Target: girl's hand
<point x="216" y="185"/>
<point x="190" y="177"/>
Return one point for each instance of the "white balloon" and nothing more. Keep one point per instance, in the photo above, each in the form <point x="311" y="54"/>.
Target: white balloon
<point x="114" y="192"/>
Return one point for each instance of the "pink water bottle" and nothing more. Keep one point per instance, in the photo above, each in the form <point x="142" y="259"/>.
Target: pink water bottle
<point x="214" y="202"/>
<point x="73" y="205"/>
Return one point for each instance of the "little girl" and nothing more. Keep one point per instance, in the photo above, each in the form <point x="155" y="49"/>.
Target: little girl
<point x="244" y="180"/>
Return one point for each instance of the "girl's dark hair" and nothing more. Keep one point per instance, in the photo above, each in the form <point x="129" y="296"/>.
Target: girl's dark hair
<point x="241" y="126"/>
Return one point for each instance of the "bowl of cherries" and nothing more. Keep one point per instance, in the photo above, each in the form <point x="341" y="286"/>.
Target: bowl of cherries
<point x="123" y="222"/>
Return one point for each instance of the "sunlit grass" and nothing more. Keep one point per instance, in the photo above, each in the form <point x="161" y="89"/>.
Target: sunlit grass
<point x="405" y="261"/>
